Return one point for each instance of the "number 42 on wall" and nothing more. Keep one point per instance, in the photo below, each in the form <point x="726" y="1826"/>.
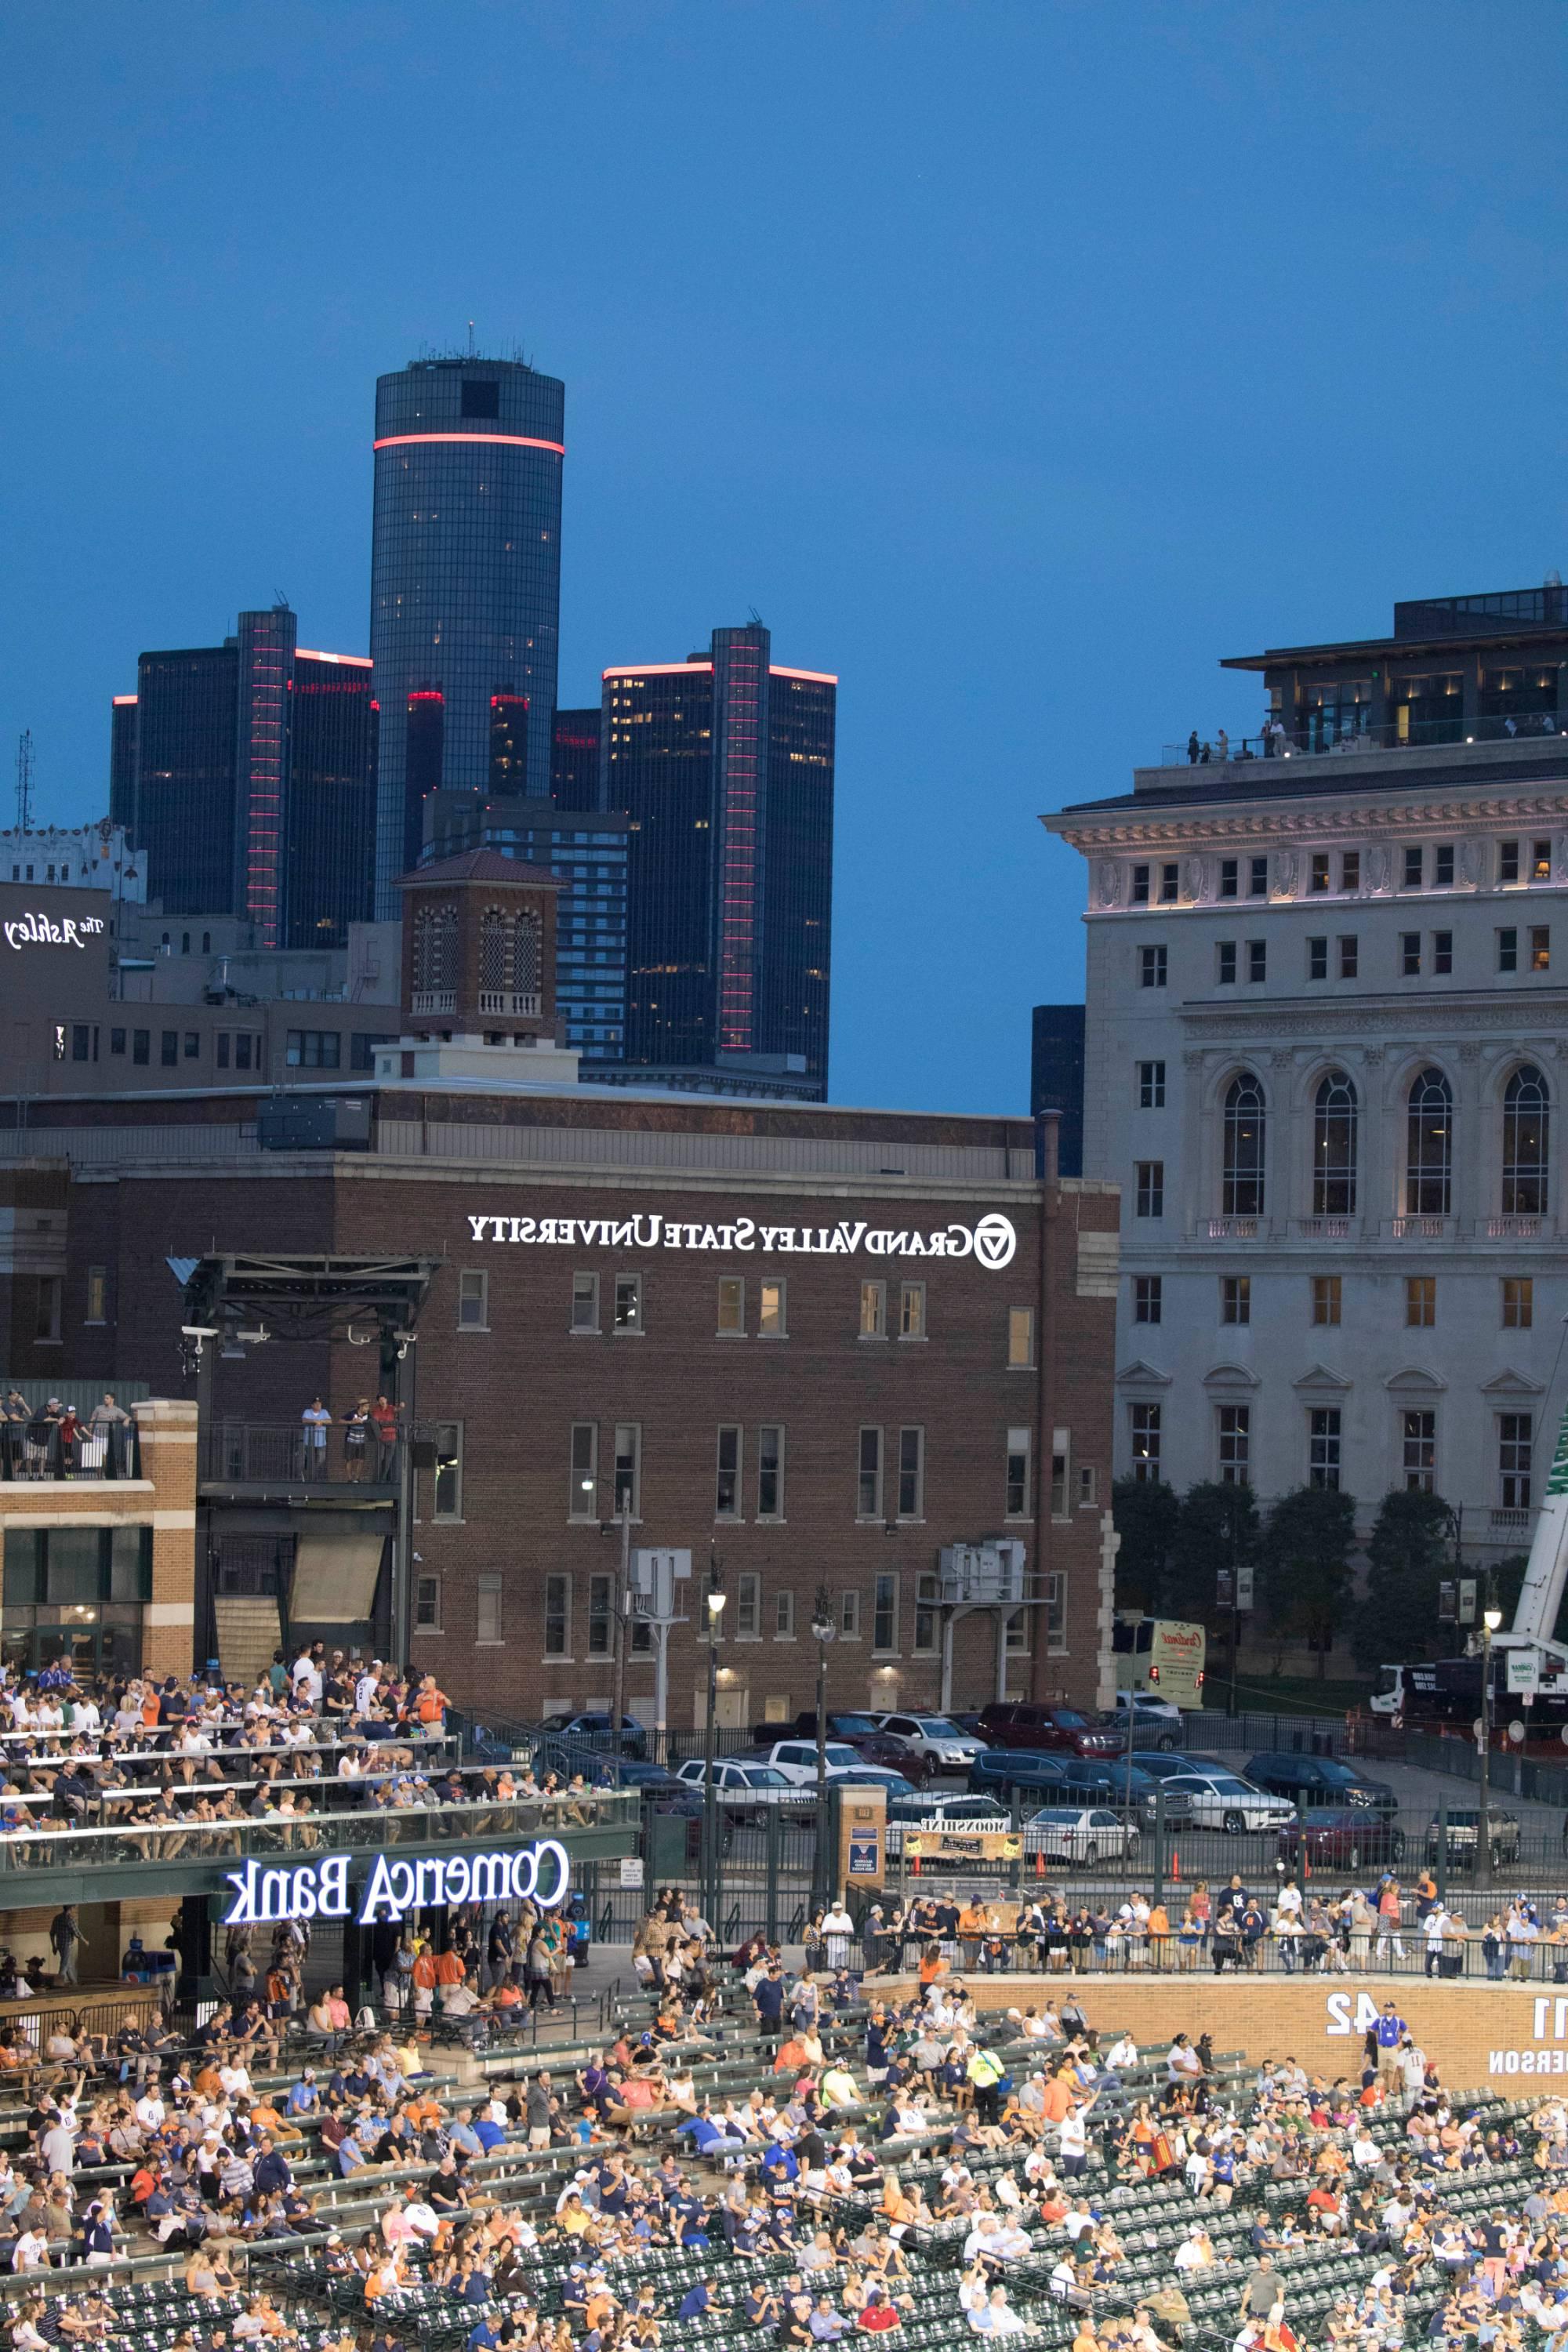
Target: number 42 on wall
<point x="1342" y="2019"/>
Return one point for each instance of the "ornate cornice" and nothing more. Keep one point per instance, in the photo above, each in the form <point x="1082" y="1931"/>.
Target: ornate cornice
<point x="1423" y="1018"/>
<point x="1328" y="822"/>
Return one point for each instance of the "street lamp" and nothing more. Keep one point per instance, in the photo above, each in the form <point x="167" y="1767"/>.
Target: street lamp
<point x="623" y="1603"/>
<point x="1490" y="1620"/>
<point x="822" y="1631"/>
<point x="715" y="1605"/>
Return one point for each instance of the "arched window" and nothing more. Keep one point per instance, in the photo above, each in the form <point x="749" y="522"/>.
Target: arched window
<point x="1430" y="1146"/>
<point x="435" y="959"/>
<point x="1526" y="1132"/>
<point x="493" y="958"/>
<point x="1334" y="1147"/>
<point x="1242" y="1187"/>
<point x="527" y="959"/>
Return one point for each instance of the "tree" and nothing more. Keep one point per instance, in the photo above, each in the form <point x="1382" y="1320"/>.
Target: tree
<point x="1145" y="1511"/>
<point x="1407" y="1557"/>
<point x="1218" y="1528"/>
<point x="1305" y="1564"/>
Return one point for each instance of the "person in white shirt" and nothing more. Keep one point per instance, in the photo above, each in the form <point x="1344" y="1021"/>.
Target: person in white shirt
<point x="995" y="2316"/>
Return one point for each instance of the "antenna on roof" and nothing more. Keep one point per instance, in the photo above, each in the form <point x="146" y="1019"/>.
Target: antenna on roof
<point x="756" y="616"/>
<point x="25" y="781"/>
<point x="470" y="339"/>
<point x="280" y="600"/>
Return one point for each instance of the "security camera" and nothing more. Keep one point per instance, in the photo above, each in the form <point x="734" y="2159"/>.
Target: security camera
<point x="200" y="1330"/>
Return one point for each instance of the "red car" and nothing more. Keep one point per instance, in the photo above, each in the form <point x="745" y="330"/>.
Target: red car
<point x="1342" y="1837"/>
<point x="1019" y="1723"/>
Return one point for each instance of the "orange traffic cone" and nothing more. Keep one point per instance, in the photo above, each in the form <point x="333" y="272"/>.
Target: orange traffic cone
<point x="1177" y="1864"/>
<point x="1040" y="1865"/>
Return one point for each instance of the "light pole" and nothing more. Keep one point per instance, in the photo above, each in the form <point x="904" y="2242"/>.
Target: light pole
<point x="1490" y="1620"/>
<point x="715" y="1604"/>
<point x="622" y="1605"/>
<point x="823" y="1630"/>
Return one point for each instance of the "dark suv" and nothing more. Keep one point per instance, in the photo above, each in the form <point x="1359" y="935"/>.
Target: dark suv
<point x="1020" y="1723"/>
<point x="1311" y="1780"/>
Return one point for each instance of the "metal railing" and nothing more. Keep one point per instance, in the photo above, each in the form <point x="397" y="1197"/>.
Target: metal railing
<point x="41" y="1449"/>
<point x="293" y="1452"/>
<point x="1325" y="736"/>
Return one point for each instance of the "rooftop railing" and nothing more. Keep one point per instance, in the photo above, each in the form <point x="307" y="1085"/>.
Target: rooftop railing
<point x="1328" y="735"/>
<point x="46" y="1447"/>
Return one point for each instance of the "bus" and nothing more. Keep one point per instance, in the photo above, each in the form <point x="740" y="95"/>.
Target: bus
<point x="1161" y="1657"/>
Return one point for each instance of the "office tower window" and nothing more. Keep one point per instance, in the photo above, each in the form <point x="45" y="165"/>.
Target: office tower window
<point x="1508" y="861"/>
<point x="770" y="1310"/>
<point x="557" y="1617"/>
<point x="1016" y="1498"/>
<point x="1236" y="1298"/>
<point x="1148" y="1297"/>
<point x="1540" y="947"/>
<point x="1540" y="861"/>
<point x="1349" y="956"/>
<point x="1516" y="1439"/>
<point x="601" y="1615"/>
<point x="1317" y="959"/>
<point x="1241" y="1186"/>
<point x="1318" y="872"/>
<point x="1235" y="1444"/>
<point x="868" y="1490"/>
<point x="1323" y="1447"/>
<point x="1139" y="885"/>
<point x="1151" y="966"/>
<point x="1150" y="1085"/>
<point x="1413" y="870"/>
<point x="911" y="1473"/>
<point x="583" y="1496"/>
<point x="1526" y="1134"/>
<point x="473" y="1300"/>
<point x="873" y="1311"/>
<point x="1169" y="885"/>
<point x="1257" y="877"/>
<point x="1146" y="1436"/>
<point x="911" y="1310"/>
<point x="1429" y="1146"/>
<point x="1150" y="1188"/>
<point x="749" y="1607"/>
<point x="1518" y="1302"/>
<point x="628" y="1469"/>
<point x="885" y="1616"/>
<point x="732" y="1306"/>
<point x="771" y="1471"/>
<point x="1225" y="963"/>
<point x="1020" y="1338"/>
<point x="1328" y="1292"/>
<point x="1442" y="951"/>
<point x="1409" y="955"/>
<point x="1257" y="960"/>
<point x="727" y="1484"/>
<point x="1349" y="869"/>
<point x="848" y="1615"/>
<point x="585" y="1302"/>
<point x="1418" y="1437"/>
<point x="1228" y="881"/>
<point x="1508" y="949"/>
<point x="1420" y="1301"/>
<point x="1442" y="866"/>
<point x="1334" y="1146"/>
<point x="628" y="1302"/>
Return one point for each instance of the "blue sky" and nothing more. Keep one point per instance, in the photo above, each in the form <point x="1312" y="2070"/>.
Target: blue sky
<point x="1015" y="360"/>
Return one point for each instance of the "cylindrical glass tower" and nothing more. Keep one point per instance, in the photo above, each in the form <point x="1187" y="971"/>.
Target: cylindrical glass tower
<point x="465" y="589"/>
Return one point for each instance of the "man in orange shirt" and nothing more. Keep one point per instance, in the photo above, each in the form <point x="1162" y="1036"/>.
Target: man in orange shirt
<point x="1056" y="2098"/>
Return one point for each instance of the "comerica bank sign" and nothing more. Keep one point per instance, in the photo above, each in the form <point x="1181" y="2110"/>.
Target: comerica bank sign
<point x="991" y="1241"/>
<point x="539" y="1874"/>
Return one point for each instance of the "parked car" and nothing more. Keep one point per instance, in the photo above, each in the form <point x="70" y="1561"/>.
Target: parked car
<point x="934" y="1814"/>
<point x="1019" y="1723"/>
<point x="738" y="1778"/>
<point x="858" y="1731"/>
<point x="876" y="1776"/>
<point x="597" y="1729"/>
<point x="1218" y="1798"/>
<point x="1079" y="1833"/>
<point x="1312" y="1780"/>
<point x="1342" y="1837"/>
<point x="1109" y="1780"/>
<point x="1156" y="1722"/>
<point x="1002" y="1768"/>
<point x="599" y="1769"/>
<point x="796" y="1760"/>
<point x="939" y="1743"/>
<point x="1462" y="1842"/>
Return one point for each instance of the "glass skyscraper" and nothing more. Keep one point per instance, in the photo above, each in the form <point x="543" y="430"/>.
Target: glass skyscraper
<point x="724" y="764"/>
<point x="465" y="589"/>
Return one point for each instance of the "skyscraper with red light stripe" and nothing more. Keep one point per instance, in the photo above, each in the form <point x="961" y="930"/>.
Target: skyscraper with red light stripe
<point x="725" y="765"/>
<point x="465" y="589"/>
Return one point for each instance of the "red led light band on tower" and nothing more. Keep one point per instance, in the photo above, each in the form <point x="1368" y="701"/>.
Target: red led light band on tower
<point x="493" y="440"/>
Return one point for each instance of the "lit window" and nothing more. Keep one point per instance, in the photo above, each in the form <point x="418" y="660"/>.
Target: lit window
<point x="1020" y="1338"/>
<point x="770" y="1310"/>
<point x="873" y="1311"/>
<point x="1421" y="1301"/>
<point x="912" y="1310"/>
<point x="1327" y="1293"/>
<point x="732" y="1306"/>
<point x="1518" y="1302"/>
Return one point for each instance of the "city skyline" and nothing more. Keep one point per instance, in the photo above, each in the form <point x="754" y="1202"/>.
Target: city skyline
<point x="1061" y="416"/>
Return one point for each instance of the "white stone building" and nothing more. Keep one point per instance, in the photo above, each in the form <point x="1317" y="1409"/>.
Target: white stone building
<point x="78" y="857"/>
<point x="1327" y="1061"/>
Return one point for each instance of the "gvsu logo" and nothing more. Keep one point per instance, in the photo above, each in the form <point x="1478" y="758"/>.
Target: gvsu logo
<point x="995" y="1242"/>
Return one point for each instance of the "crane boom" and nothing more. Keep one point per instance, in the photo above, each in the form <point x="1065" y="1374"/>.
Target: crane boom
<point x="1540" y="1595"/>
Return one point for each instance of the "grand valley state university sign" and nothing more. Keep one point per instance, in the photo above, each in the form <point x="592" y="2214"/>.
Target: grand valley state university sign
<point x="539" y="1873"/>
<point x="991" y="1241"/>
